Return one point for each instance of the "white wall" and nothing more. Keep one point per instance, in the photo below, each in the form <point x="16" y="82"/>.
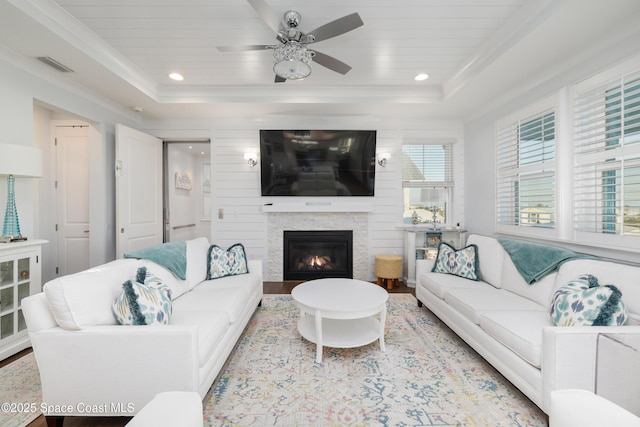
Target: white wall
<point x="480" y="136"/>
<point x="24" y="123"/>
<point x="236" y="186"/>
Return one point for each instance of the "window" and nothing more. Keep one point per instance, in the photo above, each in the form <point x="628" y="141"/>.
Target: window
<point x="427" y="181"/>
<point x="526" y="164"/>
<point x="606" y="186"/>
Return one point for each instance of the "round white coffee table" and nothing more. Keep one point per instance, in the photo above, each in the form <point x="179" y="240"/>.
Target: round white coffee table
<point x="341" y="313"/>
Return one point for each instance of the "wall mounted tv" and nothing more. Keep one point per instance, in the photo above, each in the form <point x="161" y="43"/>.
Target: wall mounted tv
<point x="318" y="162"/>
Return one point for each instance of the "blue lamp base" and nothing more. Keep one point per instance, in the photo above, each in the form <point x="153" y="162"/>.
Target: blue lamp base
<point x="11" y="226"/>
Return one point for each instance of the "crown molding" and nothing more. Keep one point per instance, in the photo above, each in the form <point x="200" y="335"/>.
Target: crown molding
<point x="53" y="17"/>
<point x="41" y="71"/>
<point x="519" y="26"/>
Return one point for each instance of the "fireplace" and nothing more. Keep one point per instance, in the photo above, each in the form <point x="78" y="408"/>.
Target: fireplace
<point x="318" y="254"/>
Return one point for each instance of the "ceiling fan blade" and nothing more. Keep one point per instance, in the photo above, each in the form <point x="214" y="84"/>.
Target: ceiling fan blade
<point x="244" y="48"/>
<point x="279" y="79"/>
<point x="330" y="62"/>
<point x="267" y="14"/>
<point x="337" y="27"/>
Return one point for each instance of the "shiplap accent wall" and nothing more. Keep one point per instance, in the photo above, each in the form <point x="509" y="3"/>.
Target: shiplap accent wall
<point x="237" y="206"/>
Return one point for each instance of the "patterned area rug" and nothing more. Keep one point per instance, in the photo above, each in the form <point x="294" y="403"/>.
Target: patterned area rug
<point x="427" y="377"/>
<point x="20" y="389"/>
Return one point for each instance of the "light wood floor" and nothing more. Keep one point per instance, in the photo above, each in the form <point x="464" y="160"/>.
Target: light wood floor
<point x="269" y="288"/>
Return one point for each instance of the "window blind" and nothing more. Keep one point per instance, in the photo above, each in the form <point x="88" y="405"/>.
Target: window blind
<point x="525" y="162"/>
<point x="426" y="165"/>
<point x="607" y="157"/>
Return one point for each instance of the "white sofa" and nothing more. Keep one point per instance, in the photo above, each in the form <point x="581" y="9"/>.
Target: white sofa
<point x="507" y="321"/>
<point x="91" y="365"/>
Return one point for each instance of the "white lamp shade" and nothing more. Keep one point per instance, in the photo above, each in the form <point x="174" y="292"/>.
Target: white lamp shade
<point x="251" y="156"/>
<point x="433" y="195"/>
<point x="21" y="161"/>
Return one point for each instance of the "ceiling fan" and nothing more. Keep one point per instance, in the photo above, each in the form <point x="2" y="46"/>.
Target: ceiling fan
<point x="292" y="56"/>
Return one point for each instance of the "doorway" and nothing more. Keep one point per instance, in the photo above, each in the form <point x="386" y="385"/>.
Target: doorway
<point x="187" y="190"/>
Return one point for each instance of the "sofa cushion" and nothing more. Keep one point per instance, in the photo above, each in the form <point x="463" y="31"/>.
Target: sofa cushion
<point x="471" y="302"/>
<point x="197" y="252"/>
<point x="459" y="262"/>
<point x="584" y="302"/>
<point x="540" y="292"/>
<point x="491" y="255"/>
<point x="144" y="301"/>
<point x="212" y="326"/>
<point x="624" y="277"/>
<point x="439" y="284"/>
<point x="84" y="299"/>
<point x="229" y="295"/>
<point x="520" y="331"/>
<point x="229" y="262"/>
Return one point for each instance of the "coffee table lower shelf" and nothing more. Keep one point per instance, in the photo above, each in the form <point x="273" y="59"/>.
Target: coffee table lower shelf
<point x="341" y="333"/>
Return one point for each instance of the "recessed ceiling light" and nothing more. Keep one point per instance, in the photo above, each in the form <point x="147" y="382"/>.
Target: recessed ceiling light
<point x="420" y="77"/>
<point x="176" y="76"/>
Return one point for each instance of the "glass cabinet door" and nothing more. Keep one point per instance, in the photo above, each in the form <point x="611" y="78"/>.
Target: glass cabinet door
<point x="14" y="287"/>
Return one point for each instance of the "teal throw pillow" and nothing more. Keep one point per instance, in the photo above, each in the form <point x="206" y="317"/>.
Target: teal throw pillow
<point x="144" y="301"/>
<point x="584" y="302"/>
<point x="226" y="262"/>
<point x="460" y="262"/>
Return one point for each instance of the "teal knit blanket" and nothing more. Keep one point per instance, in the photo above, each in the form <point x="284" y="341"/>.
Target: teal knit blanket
<point x="172" y="256"/>
<point x="534" y="261"/>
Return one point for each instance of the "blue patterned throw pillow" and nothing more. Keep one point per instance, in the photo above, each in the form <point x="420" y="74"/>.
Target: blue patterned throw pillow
<point x="460" y="262"/>
<point x="584" y="302"/>
<point x="145" y="301"/>
<point x="226" y="262"/>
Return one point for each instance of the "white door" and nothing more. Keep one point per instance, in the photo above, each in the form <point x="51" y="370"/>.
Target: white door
<point x="72" y="195"/>
<point x="138" y="190"/>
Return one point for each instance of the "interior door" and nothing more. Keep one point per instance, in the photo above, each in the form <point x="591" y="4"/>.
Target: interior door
<point x="139" y="221"/>
<point x="72" y="191"/>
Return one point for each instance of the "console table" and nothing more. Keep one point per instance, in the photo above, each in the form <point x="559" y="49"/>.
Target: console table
<point x="20" y="276"/>
<point x="415" y="246"/>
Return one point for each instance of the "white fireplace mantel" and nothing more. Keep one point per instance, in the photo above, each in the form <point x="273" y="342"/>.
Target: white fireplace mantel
<point x="317" y="206"/>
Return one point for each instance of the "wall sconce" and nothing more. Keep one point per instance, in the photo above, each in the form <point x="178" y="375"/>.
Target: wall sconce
<point x="383" y="159"/>
<point x="251" y="158"/>
<point x="17" y="161"/>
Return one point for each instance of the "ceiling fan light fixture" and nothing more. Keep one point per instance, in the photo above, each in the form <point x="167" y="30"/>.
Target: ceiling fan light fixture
<point x="292" y="61"/>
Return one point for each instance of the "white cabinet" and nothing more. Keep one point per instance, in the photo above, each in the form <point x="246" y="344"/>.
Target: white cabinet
<point x="421" y="242"/>
<point x="20" y="276"/>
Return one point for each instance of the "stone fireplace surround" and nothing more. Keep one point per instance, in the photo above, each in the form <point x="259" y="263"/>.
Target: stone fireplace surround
<point x="278" y="222"/>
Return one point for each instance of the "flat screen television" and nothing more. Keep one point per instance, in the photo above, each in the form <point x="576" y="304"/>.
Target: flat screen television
<point x="318" y="162"/>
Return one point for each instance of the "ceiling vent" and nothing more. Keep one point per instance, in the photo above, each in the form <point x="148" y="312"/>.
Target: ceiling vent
<point x="54" y="64"/>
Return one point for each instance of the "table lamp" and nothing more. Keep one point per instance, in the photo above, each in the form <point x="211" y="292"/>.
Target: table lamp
<point x="434" y="195"/>
<point x="16" y="161"/>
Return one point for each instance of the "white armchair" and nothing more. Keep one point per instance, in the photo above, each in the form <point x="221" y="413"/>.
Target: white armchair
<point x="582" y="408"/>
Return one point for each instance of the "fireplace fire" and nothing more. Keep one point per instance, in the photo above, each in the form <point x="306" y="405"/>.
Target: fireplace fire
<point x="317" y="262"/>
<point x="318" y="254"/>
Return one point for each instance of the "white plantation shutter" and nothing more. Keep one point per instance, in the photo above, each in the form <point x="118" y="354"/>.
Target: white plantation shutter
<point x="526" y="171"/>
<point x="606" y="186"/>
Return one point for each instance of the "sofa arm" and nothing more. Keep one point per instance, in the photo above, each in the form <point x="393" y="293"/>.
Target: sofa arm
<point x="255" y="266"/>
<point x="569" y="357"/>
<point x="423" y="266"/>
<point x="122" y="367"/>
